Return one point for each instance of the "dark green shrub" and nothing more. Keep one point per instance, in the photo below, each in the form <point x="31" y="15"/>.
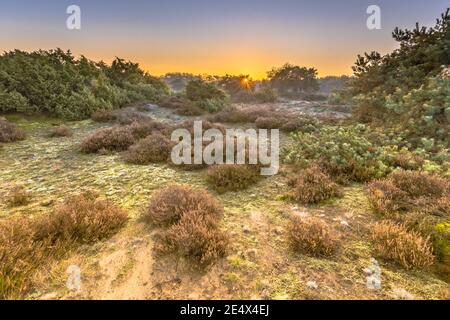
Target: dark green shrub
<point x="182" y="106"/>
<point x="345" y="153"/>
<point x="206" y="95"/>
<point x="57" y="83"/>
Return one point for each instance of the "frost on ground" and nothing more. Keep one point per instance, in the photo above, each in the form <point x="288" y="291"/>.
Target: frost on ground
<point x="259" y="264"/>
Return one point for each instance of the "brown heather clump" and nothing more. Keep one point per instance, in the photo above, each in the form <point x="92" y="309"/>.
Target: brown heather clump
<point x="152" y="149"/>
<point x="81" y="219"/>
<point x="18" y="196"/>
<point x="288" y="123"/>
<point x="270" y="122"/>
<point x="394" y="242"/>
<point x="405" y="191"/>
<point x="170" y="204"/>
<point x="312" y="186"/>
<point x="195" y="237"/>
<point x="29" y="244"/>
<point x="312" y="236"/>
<point x="234" y="177"/>
<point x="9" y="132"/>
<point x="110" y="139"/>
<point x="120" y="138"/>
<point x="104" y="116"/>
<point x="61" y="131"/>
<point x="241" y="115"/>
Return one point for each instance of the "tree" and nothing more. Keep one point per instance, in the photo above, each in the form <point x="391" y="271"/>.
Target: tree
<point x="406" y="89"/>
<point x="293" y="79"/>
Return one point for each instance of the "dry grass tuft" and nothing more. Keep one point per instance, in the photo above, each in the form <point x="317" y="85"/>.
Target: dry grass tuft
<point x="405" y="191"/>
<point x="312" y="236"/>
<point x="170" y="204"/>
<point x="9" y="132"/>
<point x="312" y="185"/>
<point x="225" y="178"/>
<point x="18" y="196"/>
<point x="29" y="244"/>
<point x="395" y="242"/>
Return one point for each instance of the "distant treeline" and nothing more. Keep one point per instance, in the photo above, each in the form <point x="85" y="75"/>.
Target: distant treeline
<point x="55" y="82"/>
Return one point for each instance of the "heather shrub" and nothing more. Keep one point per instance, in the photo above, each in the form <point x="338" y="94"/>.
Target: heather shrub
<point x="170" y="204"/>
<point x="142" y="129"/>
<point x="233" y="114"/>
<point x="128" y="117"/>
<point x="110" y="139"/>
<point x="152" y="149"/>
<point x="18" y="196"/>
<point x="312" y="236"/>
<point x="405" y="191"/>
<point x="195" y="237"/>
<point x="120" y="138"/>
<point x="104" y="116"/>
<point x="407" y="248"/>
<point x="9" y="132"/>
<point x="312" y="185"/>
<point x="288" y="123"/>
<point x="61" y="131"/>
<point x="270" y="122"/>
<point x="234" y="177"/>
<point x="81" y="219"/>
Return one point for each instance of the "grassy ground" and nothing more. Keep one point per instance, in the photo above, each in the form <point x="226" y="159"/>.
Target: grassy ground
<point x="259" y="263"/>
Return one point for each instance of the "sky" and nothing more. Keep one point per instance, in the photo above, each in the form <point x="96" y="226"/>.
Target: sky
<point x="214" y="36"/>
